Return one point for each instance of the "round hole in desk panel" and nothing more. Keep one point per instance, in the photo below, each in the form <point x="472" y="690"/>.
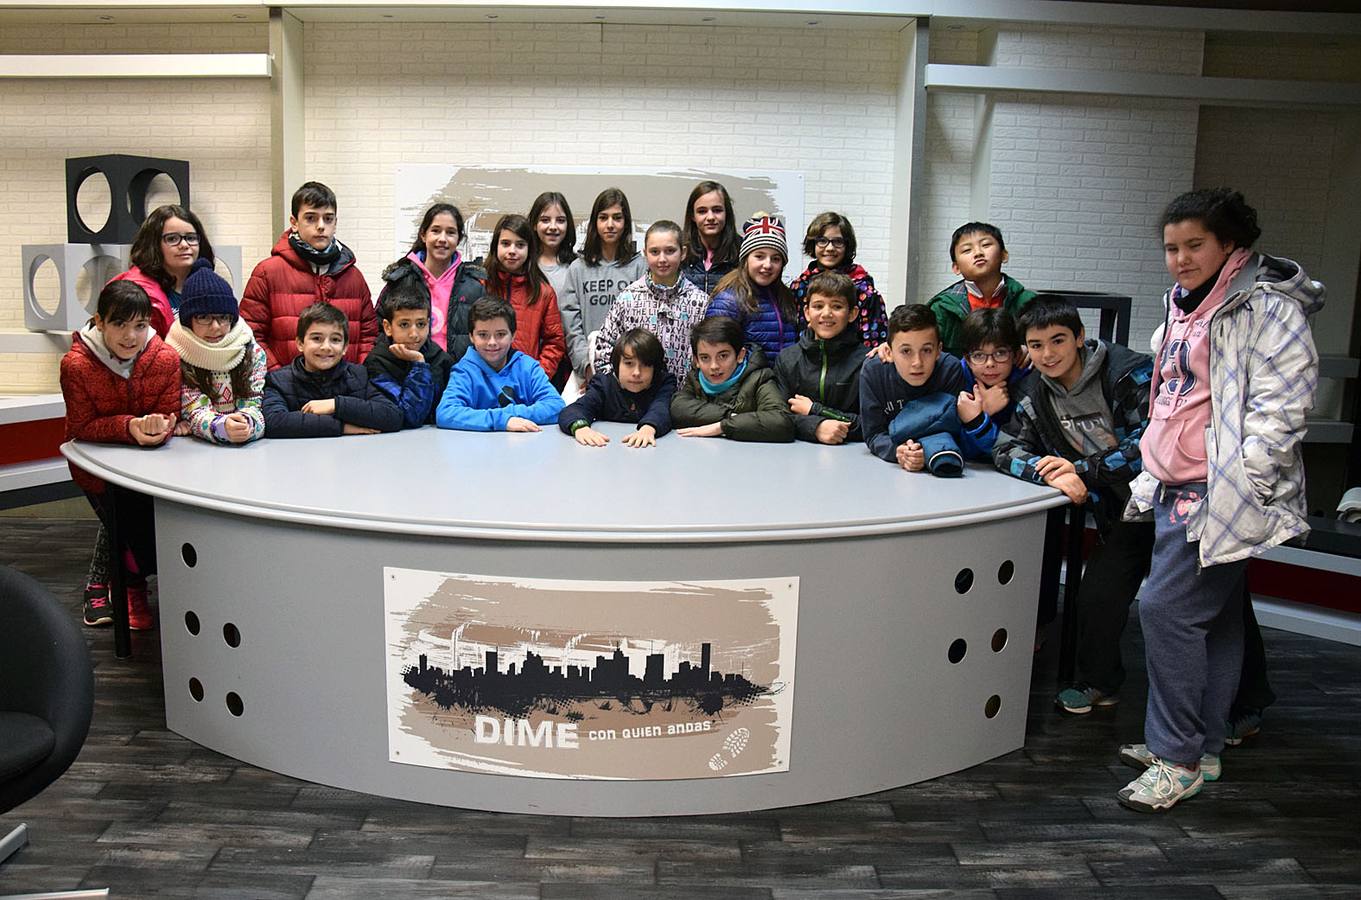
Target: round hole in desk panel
<point x="196" y="690"/>
<point x="231" y="634"/>
<point x="189" y="554"/>
<point x="957" y="650"/>
<point x="963" y="581"/>
<point x="191" y="622"/>
<point x="1006" y="572"/>
<point x="234" y="704"/>
<point x="999" y="640"/>
<point x="993" y="706"/>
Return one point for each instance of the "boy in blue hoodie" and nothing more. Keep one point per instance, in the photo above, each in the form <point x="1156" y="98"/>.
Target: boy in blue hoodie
<point x="497" y="388"/>
<point x="405" y="363"/>
<point x="909" y="407"/>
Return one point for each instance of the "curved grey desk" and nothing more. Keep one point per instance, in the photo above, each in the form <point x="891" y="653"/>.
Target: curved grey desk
<point x="299" y="581"/>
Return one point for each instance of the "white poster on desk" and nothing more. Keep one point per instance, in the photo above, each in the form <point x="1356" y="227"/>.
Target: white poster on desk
<point x="621" y="680"/>
<point x="484" y="193"/>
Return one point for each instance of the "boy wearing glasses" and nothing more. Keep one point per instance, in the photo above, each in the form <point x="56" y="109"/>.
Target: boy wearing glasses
<point x="977" y="253"/>
<point x="992" y="353"/>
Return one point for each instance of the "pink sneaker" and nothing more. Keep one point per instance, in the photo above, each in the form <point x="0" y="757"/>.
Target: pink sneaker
<point x="139" y="614"/>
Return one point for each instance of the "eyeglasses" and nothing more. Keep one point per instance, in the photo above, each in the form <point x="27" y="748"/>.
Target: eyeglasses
<point x="212" y="319"/>
<point x="981" y="358"/>
<point x="174" y="240"/>
<point x="836" y="243"/>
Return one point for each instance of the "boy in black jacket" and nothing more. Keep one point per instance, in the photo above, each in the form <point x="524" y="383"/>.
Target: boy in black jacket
<point x="320" y="394"/>
<point x="638" y="388"/>
<point x="820" y="375"/>
<point x="1076" y="426"/>
<point x="405" y="362"/>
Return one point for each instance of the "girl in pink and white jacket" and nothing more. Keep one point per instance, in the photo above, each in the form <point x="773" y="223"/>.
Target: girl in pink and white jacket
<point x="1223" y="475"/>
<point x="223" y="368"/>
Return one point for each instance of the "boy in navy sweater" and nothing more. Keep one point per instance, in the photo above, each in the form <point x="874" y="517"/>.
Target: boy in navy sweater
<point x="496" y="388"/>
<point x="320" y="394"/>
<point x="636" y="389"/>
<point x="991" y="350"/>
<point x="820" y="375"/>
<point x="405" y="363"/>
<point x="909" y="407"/>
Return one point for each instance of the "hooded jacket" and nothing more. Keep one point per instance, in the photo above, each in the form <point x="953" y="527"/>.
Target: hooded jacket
<point x="1035" y="430"/>
<point x="871" y="318"/>
<point x="283" y="285"/>
<point x="480" y="398"/>
<point x="952" y="305"/>
<point x="358" y="401"/>
<point x="769" y="327"/>
<point x="1263" y="374"/>
<point x="606" y="400"/>
<point x="100" y="403"/>
<point x="828" y="373"/>
<point x="465" y="288"/>
<point x="751" y="410"/>
<point x="414" y="387"/>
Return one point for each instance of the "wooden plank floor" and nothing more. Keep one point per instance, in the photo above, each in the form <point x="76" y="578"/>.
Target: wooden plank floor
<point x="148" y="813"/>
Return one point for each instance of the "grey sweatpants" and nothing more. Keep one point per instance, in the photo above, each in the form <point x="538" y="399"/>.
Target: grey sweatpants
<point x="1192" y="620"/>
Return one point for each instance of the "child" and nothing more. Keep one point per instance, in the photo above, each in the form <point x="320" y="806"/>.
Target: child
<point x="711" y="240"/>
<point x="556" y="230"/>
<point x="909" y="406"/>
<point x="121" y="385"/>
<point x="406" y="363"/>
<point x="321" y="393"/>
<point x="664" y="302"/>
<point x="223" y="369"/>
<point x="991" y="350"/>
<point x="609" y="261"/>
<point x="435" y="267"/>
<point x="830" y="243"/>
<point x="636" y="389"/>
<point x="497" y="388"/>
<point x="308" y="265"/>
<point x="977" y="252"/>
<point x="820" y="375"/>
<point x="1223" y="474"/>
<point x="753" y="293"/>
<point x="1076" y="426"/>
<point x="167" y="245"/>
<point x="730" y="392"/>
<point x="513" y="276"/>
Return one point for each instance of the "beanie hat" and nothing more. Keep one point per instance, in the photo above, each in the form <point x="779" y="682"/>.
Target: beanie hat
<point x="764" y="230"/>
<point x="206" y="293"/>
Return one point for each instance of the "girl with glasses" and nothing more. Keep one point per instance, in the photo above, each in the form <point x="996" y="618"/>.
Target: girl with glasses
<point x="830" y="243"/>
<point x="167" y="245"/>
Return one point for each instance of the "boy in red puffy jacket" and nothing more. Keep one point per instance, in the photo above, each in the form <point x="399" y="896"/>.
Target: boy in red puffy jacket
<point x="307" y="265"/>
<point x="121" y="384"/>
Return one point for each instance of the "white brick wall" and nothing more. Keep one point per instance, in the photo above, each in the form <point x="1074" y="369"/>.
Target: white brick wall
<point x="816" y="100"/>
<point x="220" y="126"/>
<point x="1076" y="183"/>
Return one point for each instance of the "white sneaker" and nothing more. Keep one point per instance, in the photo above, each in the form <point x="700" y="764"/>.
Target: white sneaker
<point x="1140" y="757"/>
<point x="1162" y="786"/>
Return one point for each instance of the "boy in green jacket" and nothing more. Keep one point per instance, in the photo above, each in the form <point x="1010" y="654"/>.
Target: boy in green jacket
<point x="977" y="253"/>
<point x="730" y="391"/>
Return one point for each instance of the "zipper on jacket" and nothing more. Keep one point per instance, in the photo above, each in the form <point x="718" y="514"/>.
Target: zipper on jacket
<point x="822" y="378"/>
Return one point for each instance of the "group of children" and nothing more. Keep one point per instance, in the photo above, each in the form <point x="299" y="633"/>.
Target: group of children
<point x="698" y="333"/>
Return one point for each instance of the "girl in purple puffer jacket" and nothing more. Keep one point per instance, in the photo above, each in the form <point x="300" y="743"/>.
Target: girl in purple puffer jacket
<point x="753" y="293"/>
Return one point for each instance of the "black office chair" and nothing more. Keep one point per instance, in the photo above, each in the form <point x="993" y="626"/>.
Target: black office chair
<point x="46" y="695"/>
